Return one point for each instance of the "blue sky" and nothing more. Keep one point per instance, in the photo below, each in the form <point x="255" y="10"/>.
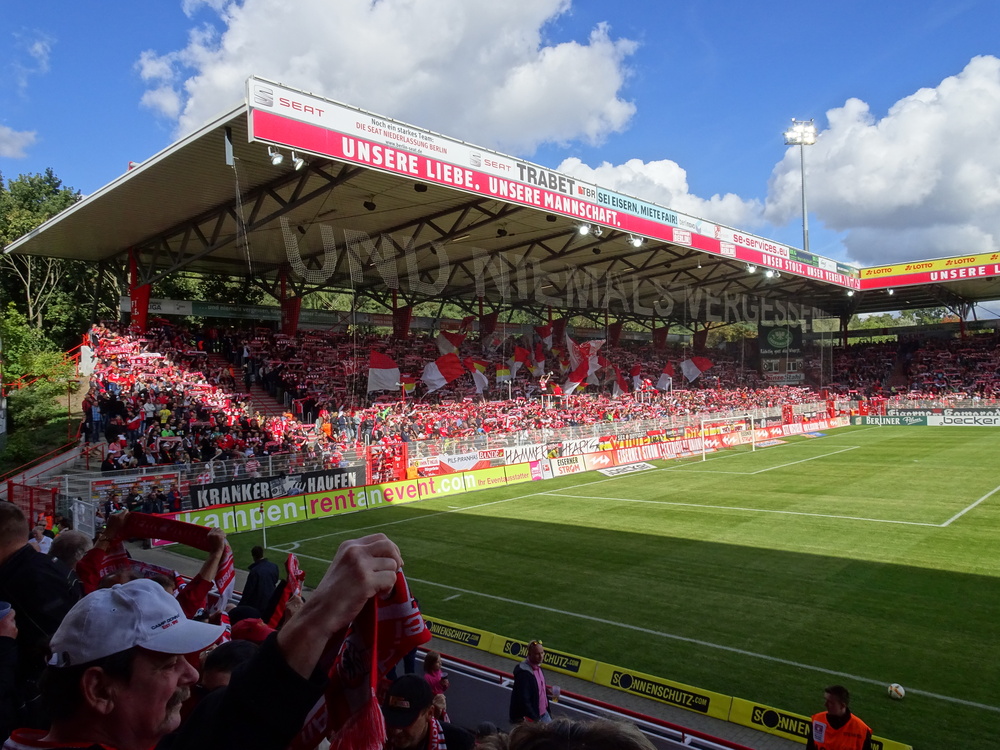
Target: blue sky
<point x="681" y="103"/>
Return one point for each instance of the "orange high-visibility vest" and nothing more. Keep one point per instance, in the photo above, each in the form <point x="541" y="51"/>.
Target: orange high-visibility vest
<point x="851" y="736"/>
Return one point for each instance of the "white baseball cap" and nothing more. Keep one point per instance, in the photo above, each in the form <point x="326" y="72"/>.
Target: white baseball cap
<point x="137" y="613"/>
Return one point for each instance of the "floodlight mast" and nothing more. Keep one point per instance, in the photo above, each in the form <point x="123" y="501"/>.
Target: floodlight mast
<point x="802" y="134"/>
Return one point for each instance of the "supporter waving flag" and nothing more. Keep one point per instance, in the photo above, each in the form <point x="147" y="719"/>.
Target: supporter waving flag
<point x="694" y="367"/>
<point x="545" y="334"/>
<point x="442" y="371"/>
<point x="620" y="386"/>
<point x="448" y="342"/>
<point x="576" y="377"/>
<point x="383" y="373"/>
<point x="538" y="360"/>
<point x="478" y="369"/>
<point x="521" y="357"/>
<point x="636" y="374"/>
<point x="666" y="381"/>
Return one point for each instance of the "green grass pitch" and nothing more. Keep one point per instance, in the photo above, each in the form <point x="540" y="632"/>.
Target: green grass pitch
<point x="865" y="557"/>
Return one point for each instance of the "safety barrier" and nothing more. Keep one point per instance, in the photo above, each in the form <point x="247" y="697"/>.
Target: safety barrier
<point x="706" y="702"/>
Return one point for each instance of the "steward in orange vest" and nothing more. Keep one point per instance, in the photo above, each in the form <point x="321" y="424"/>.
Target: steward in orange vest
<point x="837" y="728"/>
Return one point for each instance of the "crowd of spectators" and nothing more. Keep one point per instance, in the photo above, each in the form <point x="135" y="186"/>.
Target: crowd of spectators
<point x="175" y="396"/>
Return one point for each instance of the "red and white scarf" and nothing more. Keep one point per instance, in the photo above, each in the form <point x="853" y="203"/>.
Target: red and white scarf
<point x="349" y="715"/>
<point x="145" y="526"/>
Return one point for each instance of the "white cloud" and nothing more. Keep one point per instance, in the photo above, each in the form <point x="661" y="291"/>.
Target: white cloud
<point x="921" y="182"/>
<point x="14" y="143"/>
<point x="37" y="48"/>
<point x="478" y="68"/>
<point x="664" y="182"/>
<point x="163" y="99"/>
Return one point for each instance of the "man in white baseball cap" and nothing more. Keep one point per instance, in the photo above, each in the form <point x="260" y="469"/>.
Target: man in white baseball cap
<point x="118" y="675"/>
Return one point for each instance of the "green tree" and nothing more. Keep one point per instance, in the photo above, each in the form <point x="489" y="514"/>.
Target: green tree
<point x="32" y="282"/>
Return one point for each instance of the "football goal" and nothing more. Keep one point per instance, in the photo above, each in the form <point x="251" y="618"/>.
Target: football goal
<point x="724" y="433"/>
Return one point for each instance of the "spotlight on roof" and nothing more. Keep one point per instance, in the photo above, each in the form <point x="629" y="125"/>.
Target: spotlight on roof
<point x="550" y="217"/>
<point x="583" y="228"/>
<point x="297" y="161"/>
<point x="501" y="232"/>
<point x="635" y="241"/>
<point x="850" y="292"/>
<point x="772" y="274"/>
<point x="420" y="187"/>
<point x="276" y="156"/>
<point x="890" y="291"/>
<point x="596" y="230"/>
<point x="751" y="268"/>
<point x="596" y="251"/>
<point x="370" y="204"/>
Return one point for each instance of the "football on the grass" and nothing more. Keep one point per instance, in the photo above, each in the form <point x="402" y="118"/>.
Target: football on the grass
<point x="896" y="691"/>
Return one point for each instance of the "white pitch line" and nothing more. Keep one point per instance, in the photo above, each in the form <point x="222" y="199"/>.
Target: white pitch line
<point x="962" y="512"/>
<point x="759" y="471"/>
<point x="813" y="458"/>
<point x="555" y="493"/>
<point x="694" y="641"/>
<point x="456" y="510"/>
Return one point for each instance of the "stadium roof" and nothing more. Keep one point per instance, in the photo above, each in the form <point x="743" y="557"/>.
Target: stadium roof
<point x="379" y="205"/>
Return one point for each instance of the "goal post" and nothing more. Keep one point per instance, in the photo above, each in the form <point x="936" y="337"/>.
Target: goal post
<point x="719" y="433"/>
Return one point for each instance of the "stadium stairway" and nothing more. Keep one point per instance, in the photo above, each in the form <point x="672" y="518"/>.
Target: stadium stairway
<point x="262" y="401"/>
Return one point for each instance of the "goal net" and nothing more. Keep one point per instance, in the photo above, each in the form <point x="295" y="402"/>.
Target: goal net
<point x="727" y="433"/>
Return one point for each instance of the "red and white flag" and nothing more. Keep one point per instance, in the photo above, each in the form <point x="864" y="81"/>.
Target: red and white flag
<point x="538" y="360"/>
<point x="442" y="371"/>
<point x="694" y="367"/>
<point x="383" y="374"/>
<point x="478" y="369"/>
<point x="449" y="342"/>
<point x="620" y="386"/>
<point x="521" y="357"/>
<point x="545" y="334"/>
<point x="666" y="381"/>
<point x="576" y="377"/>
<point x="636" y="374"/>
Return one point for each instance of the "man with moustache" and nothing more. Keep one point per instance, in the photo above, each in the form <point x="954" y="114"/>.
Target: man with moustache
<point x="119" y="673"/>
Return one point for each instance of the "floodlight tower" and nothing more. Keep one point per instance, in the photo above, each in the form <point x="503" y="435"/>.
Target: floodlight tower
<point x="802" y="134"/>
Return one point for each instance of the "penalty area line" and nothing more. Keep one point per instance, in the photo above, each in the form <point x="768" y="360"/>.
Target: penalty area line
<point x="739" y="508"/>
<point x="965" y="510"/>
<point x="693" y="641"/>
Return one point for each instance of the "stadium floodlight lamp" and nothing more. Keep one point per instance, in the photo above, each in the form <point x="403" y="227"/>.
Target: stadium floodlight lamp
<point x="751" y="268"/>
<point x="297" y="161"/>
<point x="850" y="292"/>
<point x="802" y="134"/>
<point x="370" y="204"/>
<point x="635" y="241"/>
<point x="596" y="230"/>
<point x="276" y="156"/>
<point x="890" y="292"/>
<point x="772" y="274"/>
<point x="583" y="228"/>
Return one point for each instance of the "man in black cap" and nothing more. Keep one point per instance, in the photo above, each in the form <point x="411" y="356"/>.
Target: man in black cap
<point x="409" y="722"/>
